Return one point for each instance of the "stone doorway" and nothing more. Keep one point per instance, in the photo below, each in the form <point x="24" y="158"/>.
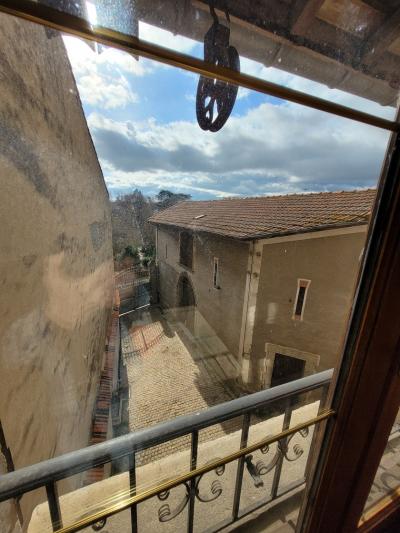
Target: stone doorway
<point x="186" y="301"/>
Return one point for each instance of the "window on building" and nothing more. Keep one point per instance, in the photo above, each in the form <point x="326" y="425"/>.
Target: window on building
<point x="216" y="273"/>
<point x="186" y="249"/>
<point x="302" y="288"/>
<point x="166" y="251"/>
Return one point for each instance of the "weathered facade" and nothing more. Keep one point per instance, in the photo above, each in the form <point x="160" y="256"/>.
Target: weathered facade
<point x="330" y="264"/>
<point x="221" y="307"/>
<point x="56" y="269"/>
<point x="249" y="290"/>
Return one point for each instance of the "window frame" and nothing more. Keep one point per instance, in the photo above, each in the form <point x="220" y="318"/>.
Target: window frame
<point x="366" y="386"/>
<point x="216" y="284"/>
<point x="186" y="233"/>
<point x="301" y="284"/>
<point x="376" y="300"/>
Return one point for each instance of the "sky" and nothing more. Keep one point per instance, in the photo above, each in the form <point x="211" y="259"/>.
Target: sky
<point x="142" y="118"/>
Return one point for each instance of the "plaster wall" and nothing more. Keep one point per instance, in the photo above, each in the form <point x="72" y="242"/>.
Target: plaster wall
<point x="331" y="264"/>
<point x="56" y="269"/>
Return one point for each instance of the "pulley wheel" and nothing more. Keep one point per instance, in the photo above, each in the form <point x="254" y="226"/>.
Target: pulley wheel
<point x="215" y="99"/>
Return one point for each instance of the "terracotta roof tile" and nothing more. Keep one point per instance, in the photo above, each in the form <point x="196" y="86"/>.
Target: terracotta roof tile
<point x="269" y="216"/>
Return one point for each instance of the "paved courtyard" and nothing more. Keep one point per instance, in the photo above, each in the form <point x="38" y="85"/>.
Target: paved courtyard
<point x="171" y="372"/>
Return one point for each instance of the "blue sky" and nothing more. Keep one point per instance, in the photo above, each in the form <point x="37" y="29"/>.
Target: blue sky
<point x="141" y="115"/>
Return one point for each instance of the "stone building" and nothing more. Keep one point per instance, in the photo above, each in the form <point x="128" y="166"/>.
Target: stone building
<point x="56" y="268"/>
<point x="272" y="276"/>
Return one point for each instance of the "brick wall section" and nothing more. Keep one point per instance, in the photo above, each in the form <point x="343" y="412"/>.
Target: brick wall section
<point x="102" y="410"/>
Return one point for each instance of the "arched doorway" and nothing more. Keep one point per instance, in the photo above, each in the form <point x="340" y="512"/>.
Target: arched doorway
<point x="186" y="301"/>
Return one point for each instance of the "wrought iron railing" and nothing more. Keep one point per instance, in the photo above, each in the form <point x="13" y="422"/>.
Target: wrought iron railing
<point x="48" y="473"/>
<point x="131" y="276"/>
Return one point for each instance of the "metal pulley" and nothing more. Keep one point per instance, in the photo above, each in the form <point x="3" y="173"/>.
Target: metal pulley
<point x="215" y="99"/>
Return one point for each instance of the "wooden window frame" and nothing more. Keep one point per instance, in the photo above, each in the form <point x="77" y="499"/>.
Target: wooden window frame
<point x="366" y="385"/>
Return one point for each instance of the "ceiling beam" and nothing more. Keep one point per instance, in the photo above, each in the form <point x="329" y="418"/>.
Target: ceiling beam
<point x="305" y="12"/>
<point x="381" y="39"/>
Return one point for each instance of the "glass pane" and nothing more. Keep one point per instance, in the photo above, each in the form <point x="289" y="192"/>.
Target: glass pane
<point x="332" y="49"/>
<point x="387" y="479"/>
<point x="171" y="244"/>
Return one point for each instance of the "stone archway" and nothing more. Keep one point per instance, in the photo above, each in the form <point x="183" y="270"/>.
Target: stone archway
<point x="186" y="301"/>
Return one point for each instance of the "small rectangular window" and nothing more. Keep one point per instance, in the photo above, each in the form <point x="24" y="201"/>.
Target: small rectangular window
<point x="186" y="249"/>
<point x="216" y="274"/>
<point x="302" y="288"/>
<point x="166" y="250"/>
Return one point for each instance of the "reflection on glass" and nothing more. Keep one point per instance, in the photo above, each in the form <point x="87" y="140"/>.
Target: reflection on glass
<point x="152" y="269"/>
<point x="332" y="51"/>
<point x="387" y="479"/>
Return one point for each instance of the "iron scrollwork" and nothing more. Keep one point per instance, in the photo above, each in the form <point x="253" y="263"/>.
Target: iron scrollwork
<point x="283" y="451"/>
<point x="98" y="526"/>
<point x="297" y="448"/>
<point x="165" y="514"/>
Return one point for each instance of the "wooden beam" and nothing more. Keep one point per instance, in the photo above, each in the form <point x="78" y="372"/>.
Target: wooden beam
<point x="307" y="11"/>
<point x="379" y="41"/>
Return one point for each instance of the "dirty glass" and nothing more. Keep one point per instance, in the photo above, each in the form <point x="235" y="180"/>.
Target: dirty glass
<point x="171" y="243"/>
<point x="328" y="49"/>
<point x="386" y="485"/>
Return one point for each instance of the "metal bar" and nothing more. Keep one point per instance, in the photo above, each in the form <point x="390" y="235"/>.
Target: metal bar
<point x="193" y="466"/>
<point x="41" y="14"/>
<point x="282" y="445"/>
<point x="239" y="474"/>
<point x="54" y="506"/>
<point x="317" y="433"/>
<point x="132" y="490"/>
<point x="34" y="476"/>
<point x="167" y="485"/>
<point x="133" y="310"/>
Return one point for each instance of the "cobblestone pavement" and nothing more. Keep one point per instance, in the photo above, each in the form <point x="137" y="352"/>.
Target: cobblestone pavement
<point x="171" y="373"/>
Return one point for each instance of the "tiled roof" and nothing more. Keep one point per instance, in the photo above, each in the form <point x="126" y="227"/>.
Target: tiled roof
<point x="269" y="216"/>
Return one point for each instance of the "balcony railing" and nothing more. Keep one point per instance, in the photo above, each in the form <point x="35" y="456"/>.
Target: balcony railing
<point x="48" y="473"/>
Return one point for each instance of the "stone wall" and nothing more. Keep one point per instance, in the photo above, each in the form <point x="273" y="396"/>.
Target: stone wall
<point x="222" y="307"/>
<point x="56" y="270"/>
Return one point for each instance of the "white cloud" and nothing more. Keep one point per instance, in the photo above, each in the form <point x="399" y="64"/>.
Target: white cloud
<point x="243" y="93"/>
<point x="305" y="85"/>
<point x="152" y="134"/>
<point x="271" y="149"/>
<point x="157" y="180"/>
<point x="165" y="38"/>
<point x="84" y="58"/>
<point x="111" y="95"/>
<point x="101" y="77"/>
